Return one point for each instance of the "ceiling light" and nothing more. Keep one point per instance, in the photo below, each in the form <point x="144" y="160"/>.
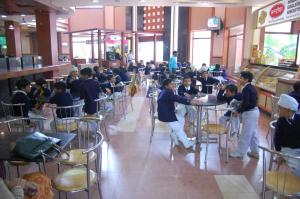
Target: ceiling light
<point x="23" y="15"/>
<point x="59" y="18"/>
<point x="3" y="16"/>
<point x="33" y="20"/>
<point x="95" y="1"/>
<point x="142" y="1"/>
<point x="11" y="27"/>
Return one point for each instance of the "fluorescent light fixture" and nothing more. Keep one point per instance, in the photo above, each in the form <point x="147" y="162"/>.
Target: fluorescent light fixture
<point x="11" y="27"/>
<point x="59" y="18"/>
<point x="3" y="16"/>
<point x="142" y="1"/>
<point x="33" y="20"/>
<point x="95" y="1"/>
<point x="23" y="15"/>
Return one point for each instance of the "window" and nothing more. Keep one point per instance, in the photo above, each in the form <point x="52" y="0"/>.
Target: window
<point x="280" y="47"/>
<point x="146" y="51"/>
<point x="200" y="48"/>
<point x="280" y="28"/>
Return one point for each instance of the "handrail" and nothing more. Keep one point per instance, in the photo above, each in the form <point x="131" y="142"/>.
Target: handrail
<point x="278" y="153"/>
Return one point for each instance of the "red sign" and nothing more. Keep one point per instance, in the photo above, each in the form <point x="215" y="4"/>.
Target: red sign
<point x="277" y="10"/>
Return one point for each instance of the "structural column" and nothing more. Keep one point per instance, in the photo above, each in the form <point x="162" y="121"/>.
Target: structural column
<point x="122" y="48"/>
<point x="13" y="39"/>
<point x="136" y="47"/>
<point x="92" y="47"/>
<point x="154" y="49"/>
<point x="99" y="48"/>
<point x="47" y="36"/>
<point x="59" y="43"/>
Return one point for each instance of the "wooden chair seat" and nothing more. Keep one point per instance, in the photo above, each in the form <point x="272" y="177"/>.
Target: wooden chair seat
<point x="214" y="129"/>
<point x="69" y="126"/>
<point x="74" y="180"/>
<point x="283" y="183"/>
<point x="77" y="158"/>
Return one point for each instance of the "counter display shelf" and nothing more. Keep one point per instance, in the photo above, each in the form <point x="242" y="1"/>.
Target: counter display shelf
<point x="267" y="81"/>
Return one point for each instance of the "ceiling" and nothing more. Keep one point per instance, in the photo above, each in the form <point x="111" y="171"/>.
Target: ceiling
<point x="191" y="3"/>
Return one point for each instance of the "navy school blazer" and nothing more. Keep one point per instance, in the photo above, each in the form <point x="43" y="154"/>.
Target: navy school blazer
<point x="166" y="106"/>
<point x="193" y="90"/>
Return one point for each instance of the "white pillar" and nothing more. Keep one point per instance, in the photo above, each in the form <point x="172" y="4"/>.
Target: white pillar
<point x="174" y="29"/>
<point x="134" y="27"/>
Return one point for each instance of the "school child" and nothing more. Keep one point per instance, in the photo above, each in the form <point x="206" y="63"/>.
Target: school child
<point x="287" y="134"/>
<point x="20" y="96"/>
<point x="89" y="91"/>
<point x="296" y="92"/>
<point x="250" y="114"/>
<point x="61" y="98"/>
<point x="229" y="93"/>
<point x="40" y="94"/>
<point x="166" y="113"/>
<point x="73" y="83"/>
<point x="205" y="80"/>
<point x="99" y="74"/>
<point x="186" y="89"/>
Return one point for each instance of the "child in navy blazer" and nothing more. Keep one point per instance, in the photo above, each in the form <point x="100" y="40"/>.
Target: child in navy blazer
<point x="166" y="112"/>
<point x="89" y="91"/>
<point x="205" y="80"/>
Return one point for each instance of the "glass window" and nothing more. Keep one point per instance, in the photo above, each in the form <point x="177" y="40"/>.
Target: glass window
<point x="201" y="48"/>
<point x="279" y="47"/>
<point x="146" y="51"/>
<point x="281" y="28"/>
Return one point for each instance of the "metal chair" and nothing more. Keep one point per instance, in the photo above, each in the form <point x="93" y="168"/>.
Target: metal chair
<point x="127" y="86"/>
<point x="65" y="119"/>
<point x="102" y="112"/>
<point x="118" y="96"/>
<point x="212" y="126"/>
<point x="280" y="181"/>
<point x="14" y="111"/>
<point x="272" y="126"/>
<point x="81" y="176"/>
<point x="12" y="125"/>
<point x="153" y="113"/>
<point x="274" y="113"/>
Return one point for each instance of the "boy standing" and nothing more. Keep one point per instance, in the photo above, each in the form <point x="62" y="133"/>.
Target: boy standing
<point x="230" y="94"/>
<point x="250" y="115"/>
<point x="89" y="91"/>
<point x="173" y="62"/>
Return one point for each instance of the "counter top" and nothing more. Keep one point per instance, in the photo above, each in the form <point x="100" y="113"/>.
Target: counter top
<point x="31" y="71"/>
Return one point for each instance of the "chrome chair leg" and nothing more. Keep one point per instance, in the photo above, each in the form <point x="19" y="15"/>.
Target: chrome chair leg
<point x="207" y="142"/>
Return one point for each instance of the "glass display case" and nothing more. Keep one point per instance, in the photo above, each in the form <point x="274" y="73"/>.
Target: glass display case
<point x="256" y="70"/>
<point x="269" y="78"/>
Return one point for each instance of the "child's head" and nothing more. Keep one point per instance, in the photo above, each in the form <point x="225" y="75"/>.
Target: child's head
<point x="40" y="83"/>
<point x="60" y="87"/>
<point x="175" y="53"/>
<point x="86" y="73"/>
<point x="296" y="86"/>
<point x="246" y="77"/>
<point x="169" y="84"/>
<point x="203" y="64"/>
<point x="24" y="85"/>
<point x="96" y="69"/>
<point x="74" y="72"/>
<point x="111" y="78"/>
<point x="204" y="74"/>
<point x="187" y="81"/>
<point x="231" y="90"/>
<point x="287" y="106"/>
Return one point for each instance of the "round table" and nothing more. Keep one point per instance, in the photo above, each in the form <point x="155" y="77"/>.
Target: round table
<point x="206" y="100"/>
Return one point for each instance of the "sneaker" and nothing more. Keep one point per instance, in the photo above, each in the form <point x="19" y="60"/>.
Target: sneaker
<point x="190" y="144"/>
<point x="236" y="154"/>
<point x="253" y="155"/>
<point x="174" y="138"/>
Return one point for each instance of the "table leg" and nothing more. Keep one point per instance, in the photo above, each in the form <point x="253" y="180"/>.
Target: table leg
<point x="200" y="123"/>
<point x="197" y="126"/>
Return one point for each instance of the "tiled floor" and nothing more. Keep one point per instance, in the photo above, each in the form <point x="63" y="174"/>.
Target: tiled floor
<point x="135" y="169"/>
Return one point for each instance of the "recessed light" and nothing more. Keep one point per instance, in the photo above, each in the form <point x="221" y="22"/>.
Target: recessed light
<point x="23" y="15"/>
<point x="3" y="16"/>
<point x="11" y="27"/>
<point x="33" y="20"/>
<point x="95" y="1"/>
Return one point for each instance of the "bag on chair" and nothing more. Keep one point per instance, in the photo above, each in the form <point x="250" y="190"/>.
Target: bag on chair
<point x="34" y="145"/>
<point x="133" y="89"/>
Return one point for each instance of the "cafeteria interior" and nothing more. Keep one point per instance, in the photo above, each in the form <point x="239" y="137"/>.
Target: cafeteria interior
<point x="146" y="99"/>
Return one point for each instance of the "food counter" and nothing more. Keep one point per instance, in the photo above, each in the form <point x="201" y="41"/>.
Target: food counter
<point x="268" y="81"/>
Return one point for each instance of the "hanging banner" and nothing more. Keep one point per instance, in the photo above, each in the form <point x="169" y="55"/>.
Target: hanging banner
<point x="279" y="12"/>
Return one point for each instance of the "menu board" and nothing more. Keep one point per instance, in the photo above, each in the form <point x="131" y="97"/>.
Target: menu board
<point x="279" y="12"/>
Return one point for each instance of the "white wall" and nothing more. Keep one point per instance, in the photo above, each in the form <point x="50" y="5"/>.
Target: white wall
<point x="25" y="43"/>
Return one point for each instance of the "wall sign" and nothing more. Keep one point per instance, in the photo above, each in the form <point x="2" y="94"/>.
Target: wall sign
<point x="279" y="12"/>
